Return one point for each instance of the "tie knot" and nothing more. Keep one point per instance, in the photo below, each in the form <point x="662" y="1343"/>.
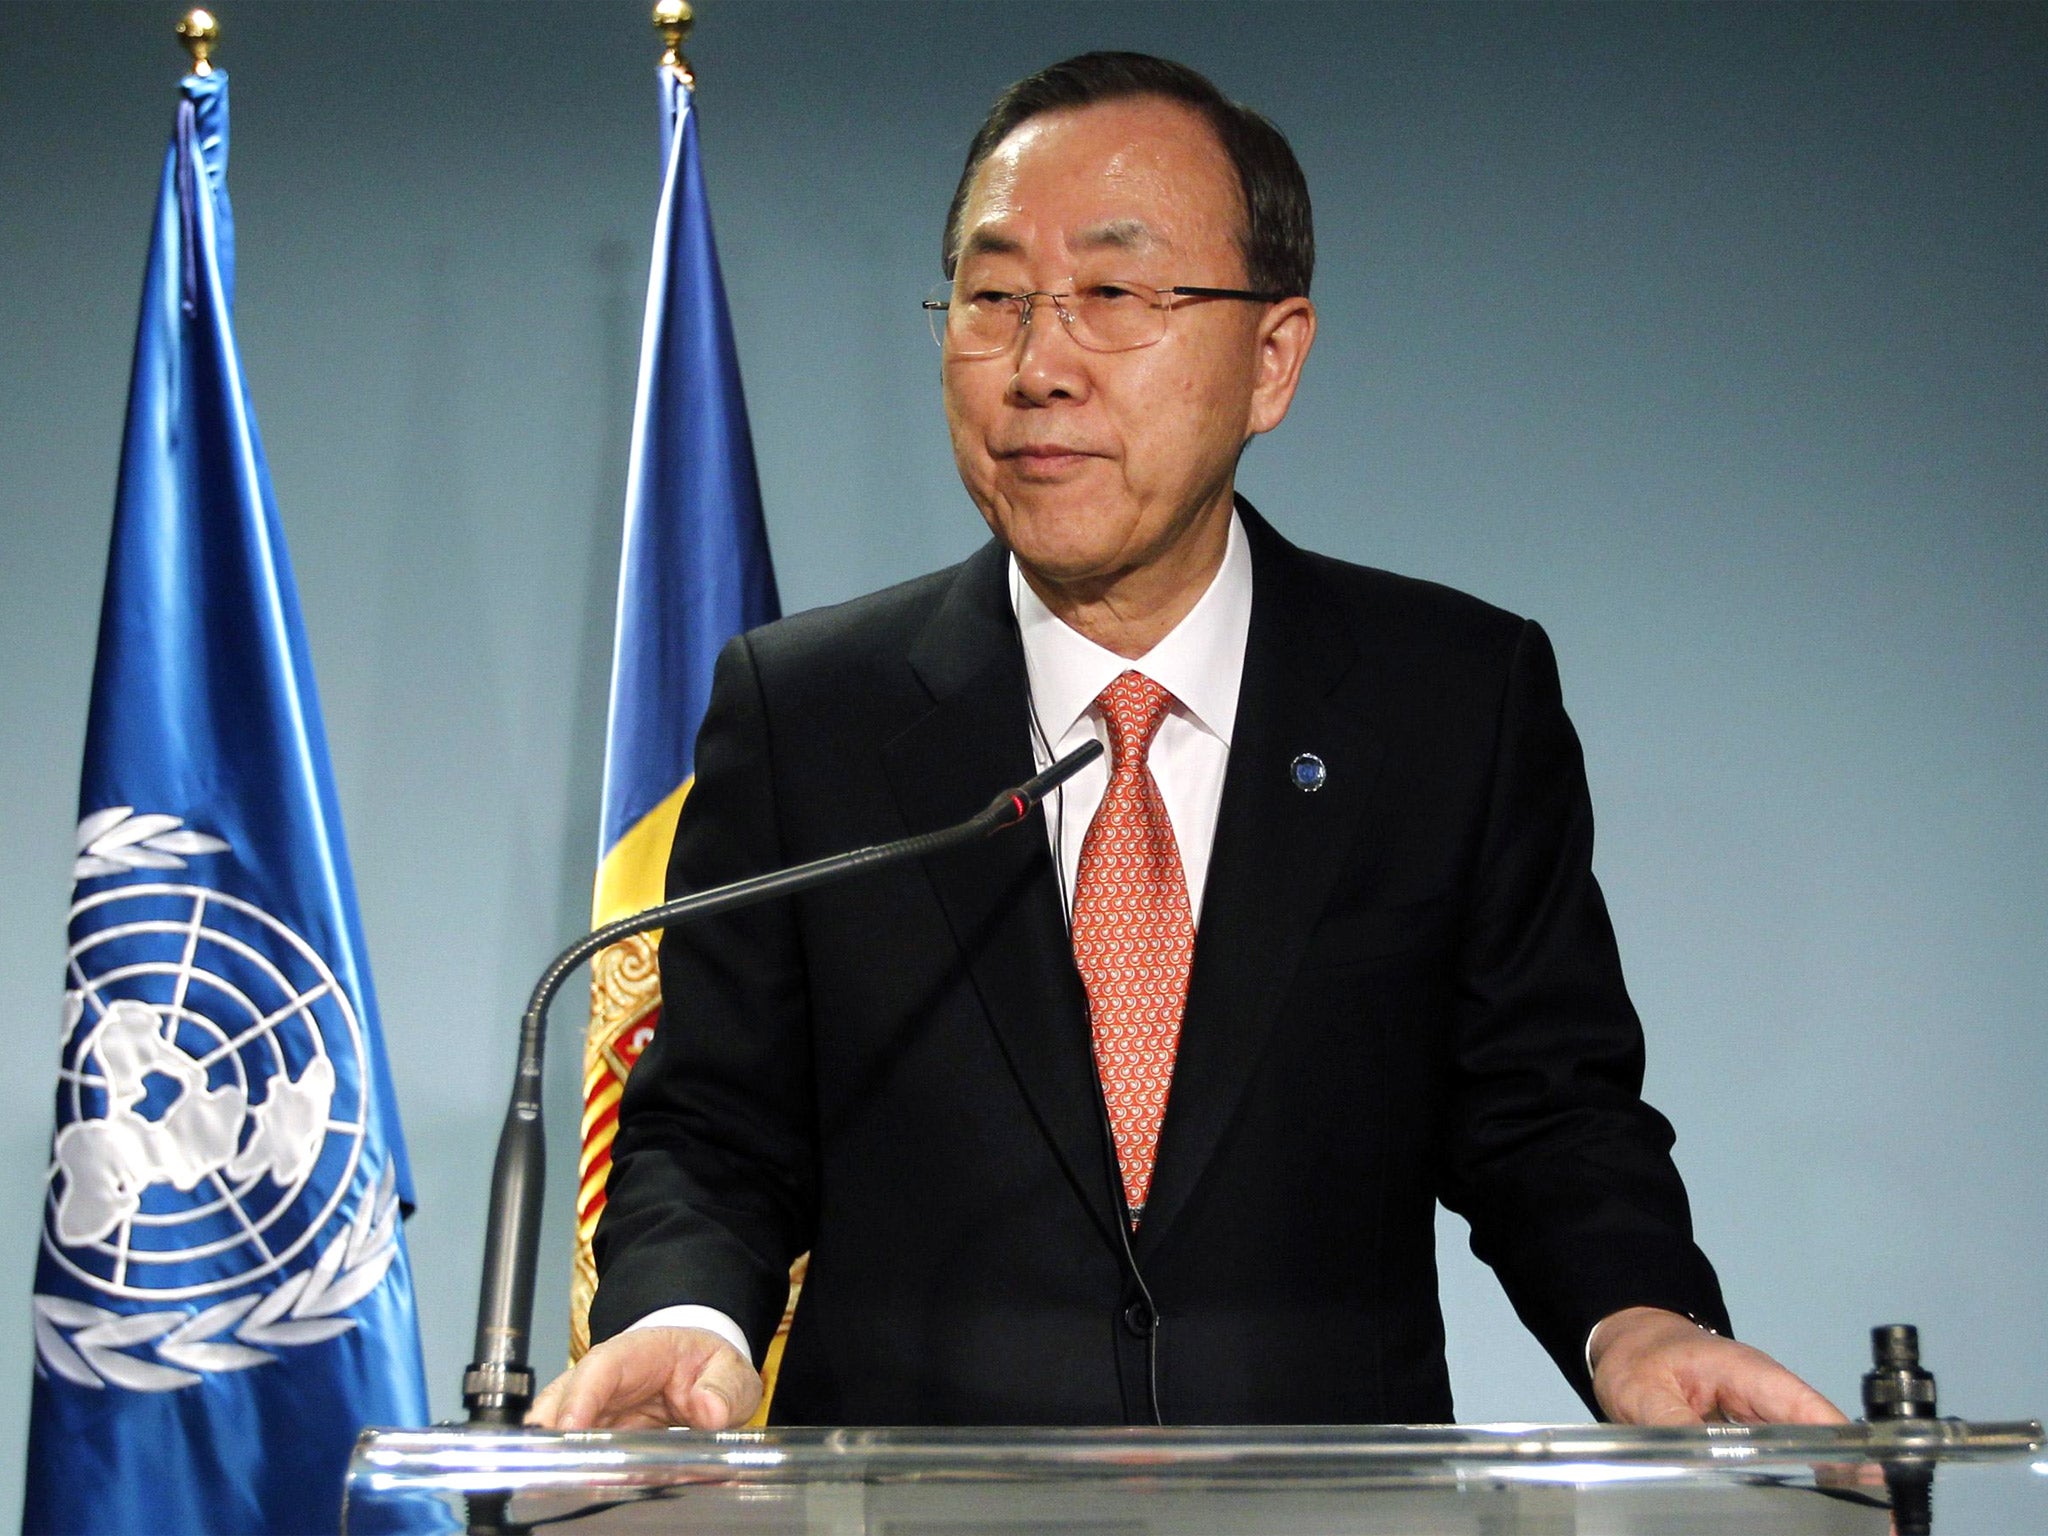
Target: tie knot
<point x="1132" y="708"/>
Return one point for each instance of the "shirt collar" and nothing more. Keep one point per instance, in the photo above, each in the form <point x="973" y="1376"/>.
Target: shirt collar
<point x="1200" y="661"/>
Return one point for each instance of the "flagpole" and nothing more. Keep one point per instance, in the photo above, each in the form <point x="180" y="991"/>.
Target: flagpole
<point x="199" y="29"/>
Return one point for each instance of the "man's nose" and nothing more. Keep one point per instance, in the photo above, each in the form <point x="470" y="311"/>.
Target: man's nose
<point x="1050" y="363"/>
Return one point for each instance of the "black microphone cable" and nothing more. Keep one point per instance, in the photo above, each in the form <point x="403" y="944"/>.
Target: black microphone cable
<point x="1121" y="1211"/>
<point x="1057" y="812"/>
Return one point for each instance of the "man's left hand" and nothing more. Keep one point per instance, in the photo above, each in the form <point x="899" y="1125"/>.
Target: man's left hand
<point x="1656" y="1367"/>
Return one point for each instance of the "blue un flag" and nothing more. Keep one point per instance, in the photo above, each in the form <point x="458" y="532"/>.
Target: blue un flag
<point x="222" y="1294"/>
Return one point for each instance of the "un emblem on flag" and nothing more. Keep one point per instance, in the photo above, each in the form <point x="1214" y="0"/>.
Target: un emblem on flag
<point x="211" y="1121"/>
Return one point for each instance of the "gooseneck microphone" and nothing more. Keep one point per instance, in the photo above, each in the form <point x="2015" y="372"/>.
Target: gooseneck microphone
<point x="498" y="1385"/>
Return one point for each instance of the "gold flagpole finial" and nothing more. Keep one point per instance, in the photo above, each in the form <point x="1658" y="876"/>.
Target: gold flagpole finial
<point x="199" y="30"/>
<point x="672" y="19"/>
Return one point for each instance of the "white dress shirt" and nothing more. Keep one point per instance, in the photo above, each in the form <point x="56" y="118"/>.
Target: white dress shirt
<point x="1201" y="663"/>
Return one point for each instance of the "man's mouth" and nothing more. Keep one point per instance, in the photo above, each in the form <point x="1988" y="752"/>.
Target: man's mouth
<point x="1043" y="460"/>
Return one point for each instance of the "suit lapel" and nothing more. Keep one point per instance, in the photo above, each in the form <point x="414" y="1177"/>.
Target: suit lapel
<point x="1000" y="897"/>
<point x="1278" y="851"/>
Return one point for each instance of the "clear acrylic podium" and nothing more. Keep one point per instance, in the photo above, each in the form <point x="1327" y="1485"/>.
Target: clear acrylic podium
<point x="1422" y="1480"/>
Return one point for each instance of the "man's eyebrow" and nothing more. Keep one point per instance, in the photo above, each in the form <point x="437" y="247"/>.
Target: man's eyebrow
<point x="1118" y="234"/>
<point x="987" y="242"/>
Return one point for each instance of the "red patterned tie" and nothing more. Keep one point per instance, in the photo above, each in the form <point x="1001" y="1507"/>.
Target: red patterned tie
<point x="1134" y="937"/>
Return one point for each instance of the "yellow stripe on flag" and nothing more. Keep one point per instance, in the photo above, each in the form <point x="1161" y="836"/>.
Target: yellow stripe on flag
<point x="630" y="878"/>
<point x="634" y="871"/>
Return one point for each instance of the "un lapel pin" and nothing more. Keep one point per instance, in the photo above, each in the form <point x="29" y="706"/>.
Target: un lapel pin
<point x="1307" y="773"/>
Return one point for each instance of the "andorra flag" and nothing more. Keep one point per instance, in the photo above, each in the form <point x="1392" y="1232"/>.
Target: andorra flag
<point x="694" y="573"/>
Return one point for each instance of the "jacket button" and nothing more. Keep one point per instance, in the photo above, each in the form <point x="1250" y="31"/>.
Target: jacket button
<point x="1138" y="1319"/>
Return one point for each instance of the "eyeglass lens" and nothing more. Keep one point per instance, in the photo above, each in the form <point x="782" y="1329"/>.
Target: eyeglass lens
<point x="1108" y="316"/>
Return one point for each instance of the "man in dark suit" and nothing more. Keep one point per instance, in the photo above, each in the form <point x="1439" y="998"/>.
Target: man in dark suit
<point x="1144" y="1116"/>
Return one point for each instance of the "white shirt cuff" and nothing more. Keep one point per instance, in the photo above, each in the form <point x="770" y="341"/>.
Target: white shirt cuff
<point x="710" y="1319"/>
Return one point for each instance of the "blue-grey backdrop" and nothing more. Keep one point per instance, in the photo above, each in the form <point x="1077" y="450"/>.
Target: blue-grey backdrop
<point x="1712" y="336"/>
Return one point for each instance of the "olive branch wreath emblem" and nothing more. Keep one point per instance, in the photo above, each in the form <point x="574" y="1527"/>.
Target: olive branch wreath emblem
<point x="90" y="1346"/>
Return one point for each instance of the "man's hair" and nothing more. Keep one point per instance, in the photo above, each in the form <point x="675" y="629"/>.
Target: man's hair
<point x="1278" y="237"/>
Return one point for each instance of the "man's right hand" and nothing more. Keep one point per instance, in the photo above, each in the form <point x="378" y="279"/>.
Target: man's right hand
<point x="652" y="1378"/>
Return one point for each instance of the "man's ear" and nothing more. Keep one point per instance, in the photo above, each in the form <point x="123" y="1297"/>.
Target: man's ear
<point x="1286" y="332"/>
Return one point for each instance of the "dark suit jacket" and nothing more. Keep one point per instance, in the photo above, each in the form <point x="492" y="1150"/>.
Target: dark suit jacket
<point x="1405" y="990"/>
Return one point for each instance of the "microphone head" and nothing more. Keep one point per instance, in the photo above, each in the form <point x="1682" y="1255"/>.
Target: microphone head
<point x="1037" y="788"/>
<point x="1013" y="805"/>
